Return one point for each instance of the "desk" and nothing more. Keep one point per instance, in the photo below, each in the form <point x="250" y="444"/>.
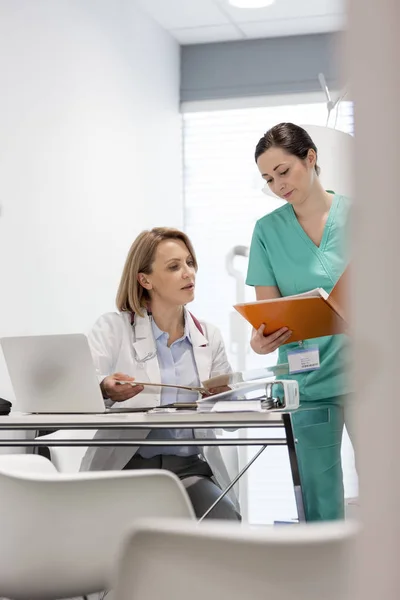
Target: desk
<point x="164" y="420"/>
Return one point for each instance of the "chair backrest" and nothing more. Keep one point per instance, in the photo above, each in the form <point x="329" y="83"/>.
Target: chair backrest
<point x="67" y="459"/>
<point x="26" y="463"/>
<point x="60" y="532"/>
<point x="221" y="560"/>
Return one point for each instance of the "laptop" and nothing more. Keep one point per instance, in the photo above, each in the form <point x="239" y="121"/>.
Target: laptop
<point x="54" y="374"/>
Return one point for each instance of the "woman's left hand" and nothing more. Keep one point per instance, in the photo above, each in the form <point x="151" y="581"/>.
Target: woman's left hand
<point x="217" y="390"/>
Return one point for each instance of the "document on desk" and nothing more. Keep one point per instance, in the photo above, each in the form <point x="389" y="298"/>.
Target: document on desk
<point x="237" y="406"/>
<point x="237" y="391"/>
<point x="238" y="377"/>
<point x="232" y="406"/>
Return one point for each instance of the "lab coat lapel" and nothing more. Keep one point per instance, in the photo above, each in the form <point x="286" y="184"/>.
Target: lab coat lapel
<point x="202" y="350"/>
<point x="146" y="356"/>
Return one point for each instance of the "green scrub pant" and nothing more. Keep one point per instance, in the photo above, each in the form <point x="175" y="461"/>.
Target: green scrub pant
<point x="318" y="429"/>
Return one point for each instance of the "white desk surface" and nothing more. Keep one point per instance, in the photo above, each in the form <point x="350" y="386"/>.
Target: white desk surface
<point x="139" y="420"/>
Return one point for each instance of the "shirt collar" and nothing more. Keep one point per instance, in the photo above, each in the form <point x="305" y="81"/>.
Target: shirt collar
<point x="158" y="333"/>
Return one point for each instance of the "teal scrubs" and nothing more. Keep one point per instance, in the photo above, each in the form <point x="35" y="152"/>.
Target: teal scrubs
<point x="283" y="255"/>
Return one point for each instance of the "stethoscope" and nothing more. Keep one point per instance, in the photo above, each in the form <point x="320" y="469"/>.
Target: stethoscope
<point x="146" y="358"/>
<point x="149" y="355"/>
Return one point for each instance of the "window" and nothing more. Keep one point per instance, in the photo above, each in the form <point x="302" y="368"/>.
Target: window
<point x="223" y="200"/>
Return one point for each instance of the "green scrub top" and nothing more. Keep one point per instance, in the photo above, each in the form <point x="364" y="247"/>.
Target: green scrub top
<point x="283" y="255"/>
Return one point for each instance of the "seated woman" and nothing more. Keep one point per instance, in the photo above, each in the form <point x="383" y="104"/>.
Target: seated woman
<point x="155" y="338"/>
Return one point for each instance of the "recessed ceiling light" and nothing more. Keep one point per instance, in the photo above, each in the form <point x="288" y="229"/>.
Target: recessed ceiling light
<point x="251" y="3"/>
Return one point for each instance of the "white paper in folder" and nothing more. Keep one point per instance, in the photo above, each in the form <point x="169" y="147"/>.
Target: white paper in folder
<point x="237" y="406"/>
<point x="238" y="391"/>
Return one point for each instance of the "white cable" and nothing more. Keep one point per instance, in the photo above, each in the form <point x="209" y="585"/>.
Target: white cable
<point x="330" y="105"/>
<point x="338" y="101"/>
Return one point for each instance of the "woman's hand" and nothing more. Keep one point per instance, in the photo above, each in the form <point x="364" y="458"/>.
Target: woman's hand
<point x="117" y="392"/>
<point x="265" y="344"/>
<point x="217" y="390"/>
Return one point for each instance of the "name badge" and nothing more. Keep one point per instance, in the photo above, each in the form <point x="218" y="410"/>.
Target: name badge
<point x="303" y="359"/>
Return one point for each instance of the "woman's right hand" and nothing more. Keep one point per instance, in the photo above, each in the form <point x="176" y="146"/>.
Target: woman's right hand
<point x="265" y="344"/>
<point x="117" y="392"/>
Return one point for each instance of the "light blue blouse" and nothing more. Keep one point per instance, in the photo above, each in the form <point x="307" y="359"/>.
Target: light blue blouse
<point x="177" y="366"/>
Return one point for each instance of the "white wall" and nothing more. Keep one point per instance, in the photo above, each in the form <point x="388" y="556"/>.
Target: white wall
<point x="90" y="154"/>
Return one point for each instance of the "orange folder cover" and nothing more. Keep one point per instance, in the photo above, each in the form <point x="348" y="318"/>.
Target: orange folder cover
<point x="309" y="315"/>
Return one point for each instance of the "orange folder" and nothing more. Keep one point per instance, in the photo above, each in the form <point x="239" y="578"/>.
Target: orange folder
<point x="309" y="315"/>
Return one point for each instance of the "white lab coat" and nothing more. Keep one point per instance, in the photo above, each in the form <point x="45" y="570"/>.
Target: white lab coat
<point x="117" y="346"/>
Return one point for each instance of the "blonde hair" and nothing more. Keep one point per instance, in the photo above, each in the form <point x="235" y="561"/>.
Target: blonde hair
<point x="131" y="295"/>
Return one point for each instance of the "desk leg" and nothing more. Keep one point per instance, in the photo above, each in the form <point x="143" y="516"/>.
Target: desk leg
<point x="294" y="466"/>
<point x="232" y="483"/>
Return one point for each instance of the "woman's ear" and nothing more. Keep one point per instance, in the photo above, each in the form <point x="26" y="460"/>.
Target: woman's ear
<point x="144" y="282"/>
<point x="311" y="158"/>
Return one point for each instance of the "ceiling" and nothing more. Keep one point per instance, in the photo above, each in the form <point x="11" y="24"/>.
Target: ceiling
<point x="205" y="21"/>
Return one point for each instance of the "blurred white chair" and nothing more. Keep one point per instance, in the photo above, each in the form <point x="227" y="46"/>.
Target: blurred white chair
<point x="13" y="464"/>
<point x="219" y="561"/>
<point x="60" y="532"/>
<point x="67" y="459"/>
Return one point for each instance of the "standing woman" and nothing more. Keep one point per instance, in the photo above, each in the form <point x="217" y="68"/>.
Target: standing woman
<point x="296" y="248"/>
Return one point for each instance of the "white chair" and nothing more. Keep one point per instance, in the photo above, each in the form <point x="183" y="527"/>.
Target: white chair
<point x="13" y="464"/>
<point x="218" y="561"/>
<point x="60" y="532"/>
<point x="67" y="459"/>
